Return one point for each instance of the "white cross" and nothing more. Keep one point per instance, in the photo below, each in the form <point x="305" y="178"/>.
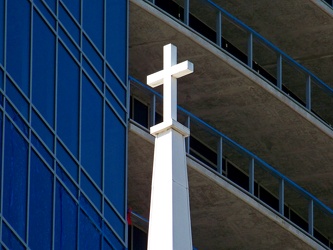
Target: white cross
<point x="168" y="77"/>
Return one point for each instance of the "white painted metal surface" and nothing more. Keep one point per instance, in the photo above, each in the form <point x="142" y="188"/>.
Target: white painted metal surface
<point x="169" y="219"/>
<point x="168" y="77"/>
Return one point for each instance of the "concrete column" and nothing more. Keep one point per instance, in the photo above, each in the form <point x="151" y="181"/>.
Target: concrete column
<point x="169" y="220"/>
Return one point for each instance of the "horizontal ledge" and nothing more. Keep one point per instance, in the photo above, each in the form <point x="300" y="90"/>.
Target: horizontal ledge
<point x="167" y="125"/>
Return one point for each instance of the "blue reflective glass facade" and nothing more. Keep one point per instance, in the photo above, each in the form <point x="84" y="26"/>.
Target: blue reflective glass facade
<point x="63" y="124"/>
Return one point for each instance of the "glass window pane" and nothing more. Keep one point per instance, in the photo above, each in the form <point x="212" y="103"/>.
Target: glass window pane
<point x="16" y="118"/>
<point x="90" y="237"/>
<point x="69" y="43"/>
<point x="18" y="43"/>
<point x="106" y="245"/>
<point x="52" y="5"/>
<point x="67" y="180"/>
<point x="69" y="24"/>
<point x="93" y="15"/>
<point x="115" y="104"/>
<point x="110" y="236"/>
<point x="17" y="98"/>
<point x="1" y="98"/>
<point x="43" y="69"/>
<point x="2" y="30"/>
<point x="139" y="239"/>
<point x="115" y="148"/>
<point x="117" y="224"/>
<point x="116" y="86"/>
<point x="66" y="222"/>
<point x="93" y="56"/>
<point x="92" y="111"/>
<point x="90" y="211"/>
<point x="91" y="191"/>
<point x="67" y="161"/>
<point x="92" y="74"/>
<point x="74" y="8"/>
<point x="41" y="149"/>
<point x="15" y="179"/>
<point x="45" y="12"/>
<point x="68" y="100"/>
<point x="41" y="197"/>
<point x="1" y="77"/>
<point x="10" y="239"/>
<point x="42" y="130"/>
<point x="116" y="48"/>
<point x="141" y="113"/>
<point x="0" y="152"/>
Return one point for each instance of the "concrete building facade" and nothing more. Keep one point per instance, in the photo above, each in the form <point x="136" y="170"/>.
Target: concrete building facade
<point x="75" y="149"/>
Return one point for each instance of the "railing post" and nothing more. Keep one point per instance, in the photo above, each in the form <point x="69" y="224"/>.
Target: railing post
<point x="250" y="51"/>
<point x="186" y="11"/>
<point x="219" y="29"/>
<point x="152" y="110"/>
<point x="308" y="93"/>
<point x="220" y="156"/>
<point x="187" y="139"/>
<point x="251" y="176"/>
<point x="310" y="217"/>
<point x="281" y="197"/>
<point x="279" y="72"/>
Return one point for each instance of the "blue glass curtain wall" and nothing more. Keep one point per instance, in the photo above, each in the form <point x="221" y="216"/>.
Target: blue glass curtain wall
<point x="63" y="124"/>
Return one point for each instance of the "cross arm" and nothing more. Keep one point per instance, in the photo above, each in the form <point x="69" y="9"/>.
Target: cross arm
<point x="182" y="69"/>
<point x="176" y="71"/>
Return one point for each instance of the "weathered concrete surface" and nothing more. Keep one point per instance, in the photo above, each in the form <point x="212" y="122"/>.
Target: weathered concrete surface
<point x="222" y="216"/>
<point x="301" y="28"/>
<point x="236" y="101"/>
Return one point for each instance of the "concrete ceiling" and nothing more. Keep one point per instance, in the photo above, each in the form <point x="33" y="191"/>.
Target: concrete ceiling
<point x="301" y="28"/>
<point x="220" y="219"/>
<point x="236" y="101"/>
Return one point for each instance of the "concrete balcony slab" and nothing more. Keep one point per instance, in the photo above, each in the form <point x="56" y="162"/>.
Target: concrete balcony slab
<point x="222" y="216"/>
<point x="236" y="101"/>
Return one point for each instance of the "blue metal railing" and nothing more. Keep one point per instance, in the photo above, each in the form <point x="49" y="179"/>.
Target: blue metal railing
<point x="328" y="2"/>
<point x="292" y="201"/>
<point x="251" y="49"/>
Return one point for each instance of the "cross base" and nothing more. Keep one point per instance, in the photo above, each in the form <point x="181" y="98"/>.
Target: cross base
<point x="169" y="124"/>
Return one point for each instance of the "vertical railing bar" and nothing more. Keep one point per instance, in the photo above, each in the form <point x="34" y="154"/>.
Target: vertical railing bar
<point x="279" y="72"/>
<point x="251" y="176"/>
<point x="281" y="197"/>
<point x="186" y="11"/>
<point x="152" y="110"/>
<point x="310" y="217"/>
<point x="250" y="51"/>
<point x="219" y="29"/>
<point x="308" y="93"/>
<point x="187" y="139"/>
<point x="281" y="194"/>
<point x="220" y="156"/>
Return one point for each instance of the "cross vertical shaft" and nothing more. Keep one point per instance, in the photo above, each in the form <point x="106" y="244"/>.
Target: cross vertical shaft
<point x="168" y="77"/>
<point x="170" y="83"/>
